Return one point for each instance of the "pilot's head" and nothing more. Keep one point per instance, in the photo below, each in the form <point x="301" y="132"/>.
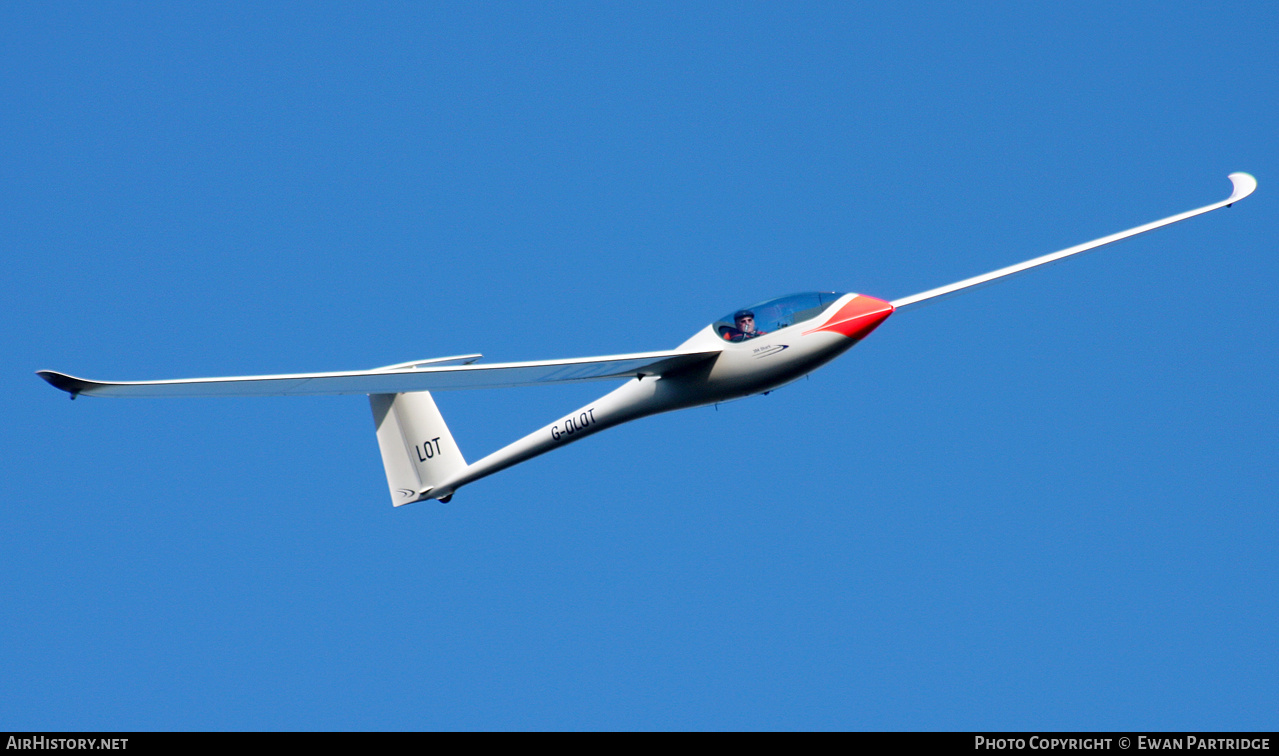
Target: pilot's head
<point x="744" y="320"/>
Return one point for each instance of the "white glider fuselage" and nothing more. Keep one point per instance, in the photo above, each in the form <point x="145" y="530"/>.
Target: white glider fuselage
<point x="751" y="351"/>
<point x="734" y="369"/>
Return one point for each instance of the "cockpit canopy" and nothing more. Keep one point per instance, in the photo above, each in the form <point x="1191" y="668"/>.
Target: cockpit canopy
<point x="773" y="315"/>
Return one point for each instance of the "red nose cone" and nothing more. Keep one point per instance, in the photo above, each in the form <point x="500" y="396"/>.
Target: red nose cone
<point x="858" y="318"/>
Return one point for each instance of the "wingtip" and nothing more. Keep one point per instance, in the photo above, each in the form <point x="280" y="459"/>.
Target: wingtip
<point x="1244" y="184"/>
<point x="62" y="381"/>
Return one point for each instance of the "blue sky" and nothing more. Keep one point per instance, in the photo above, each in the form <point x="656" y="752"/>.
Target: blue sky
<point x="1047" y="504"/>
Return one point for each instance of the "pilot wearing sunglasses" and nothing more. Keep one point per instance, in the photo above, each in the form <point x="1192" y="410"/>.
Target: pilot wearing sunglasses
<point x="744" y="320"/>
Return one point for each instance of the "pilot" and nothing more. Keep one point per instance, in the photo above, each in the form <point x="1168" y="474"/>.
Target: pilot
<point x="745" y="322"/>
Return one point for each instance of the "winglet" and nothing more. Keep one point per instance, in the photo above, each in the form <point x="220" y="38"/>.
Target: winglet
<point x="1244" y="184"/>
<point x="67" y="383"/>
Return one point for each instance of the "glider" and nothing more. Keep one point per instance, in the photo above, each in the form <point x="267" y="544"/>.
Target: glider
<point x="750" y="350"/>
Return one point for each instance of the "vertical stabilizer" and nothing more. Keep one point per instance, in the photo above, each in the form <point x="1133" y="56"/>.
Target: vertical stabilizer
<point x="418" y="450"/>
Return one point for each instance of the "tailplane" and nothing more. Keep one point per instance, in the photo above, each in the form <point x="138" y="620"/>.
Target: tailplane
<point x="418" y="450"/>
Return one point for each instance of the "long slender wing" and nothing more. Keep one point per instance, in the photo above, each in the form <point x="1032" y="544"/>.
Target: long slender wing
<point x="1244" y="184"/>
<point x="392" y="380"/>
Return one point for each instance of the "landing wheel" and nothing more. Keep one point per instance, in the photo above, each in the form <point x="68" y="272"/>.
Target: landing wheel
<point x="446" y="499"/>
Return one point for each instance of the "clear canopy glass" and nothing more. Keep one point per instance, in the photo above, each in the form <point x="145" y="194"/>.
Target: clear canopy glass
<point x="773" y="315"/>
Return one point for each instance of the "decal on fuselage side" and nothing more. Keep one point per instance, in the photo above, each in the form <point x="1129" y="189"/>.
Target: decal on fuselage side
<point x="573" y="424"/>
<point x="769" y="350"/>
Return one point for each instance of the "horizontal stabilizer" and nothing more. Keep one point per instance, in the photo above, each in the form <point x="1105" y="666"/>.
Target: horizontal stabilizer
<point x="395" y="380"/>
<point x="461" y="359"/>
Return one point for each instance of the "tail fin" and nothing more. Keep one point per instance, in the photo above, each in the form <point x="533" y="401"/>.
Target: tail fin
<point x="417" y="449"/>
